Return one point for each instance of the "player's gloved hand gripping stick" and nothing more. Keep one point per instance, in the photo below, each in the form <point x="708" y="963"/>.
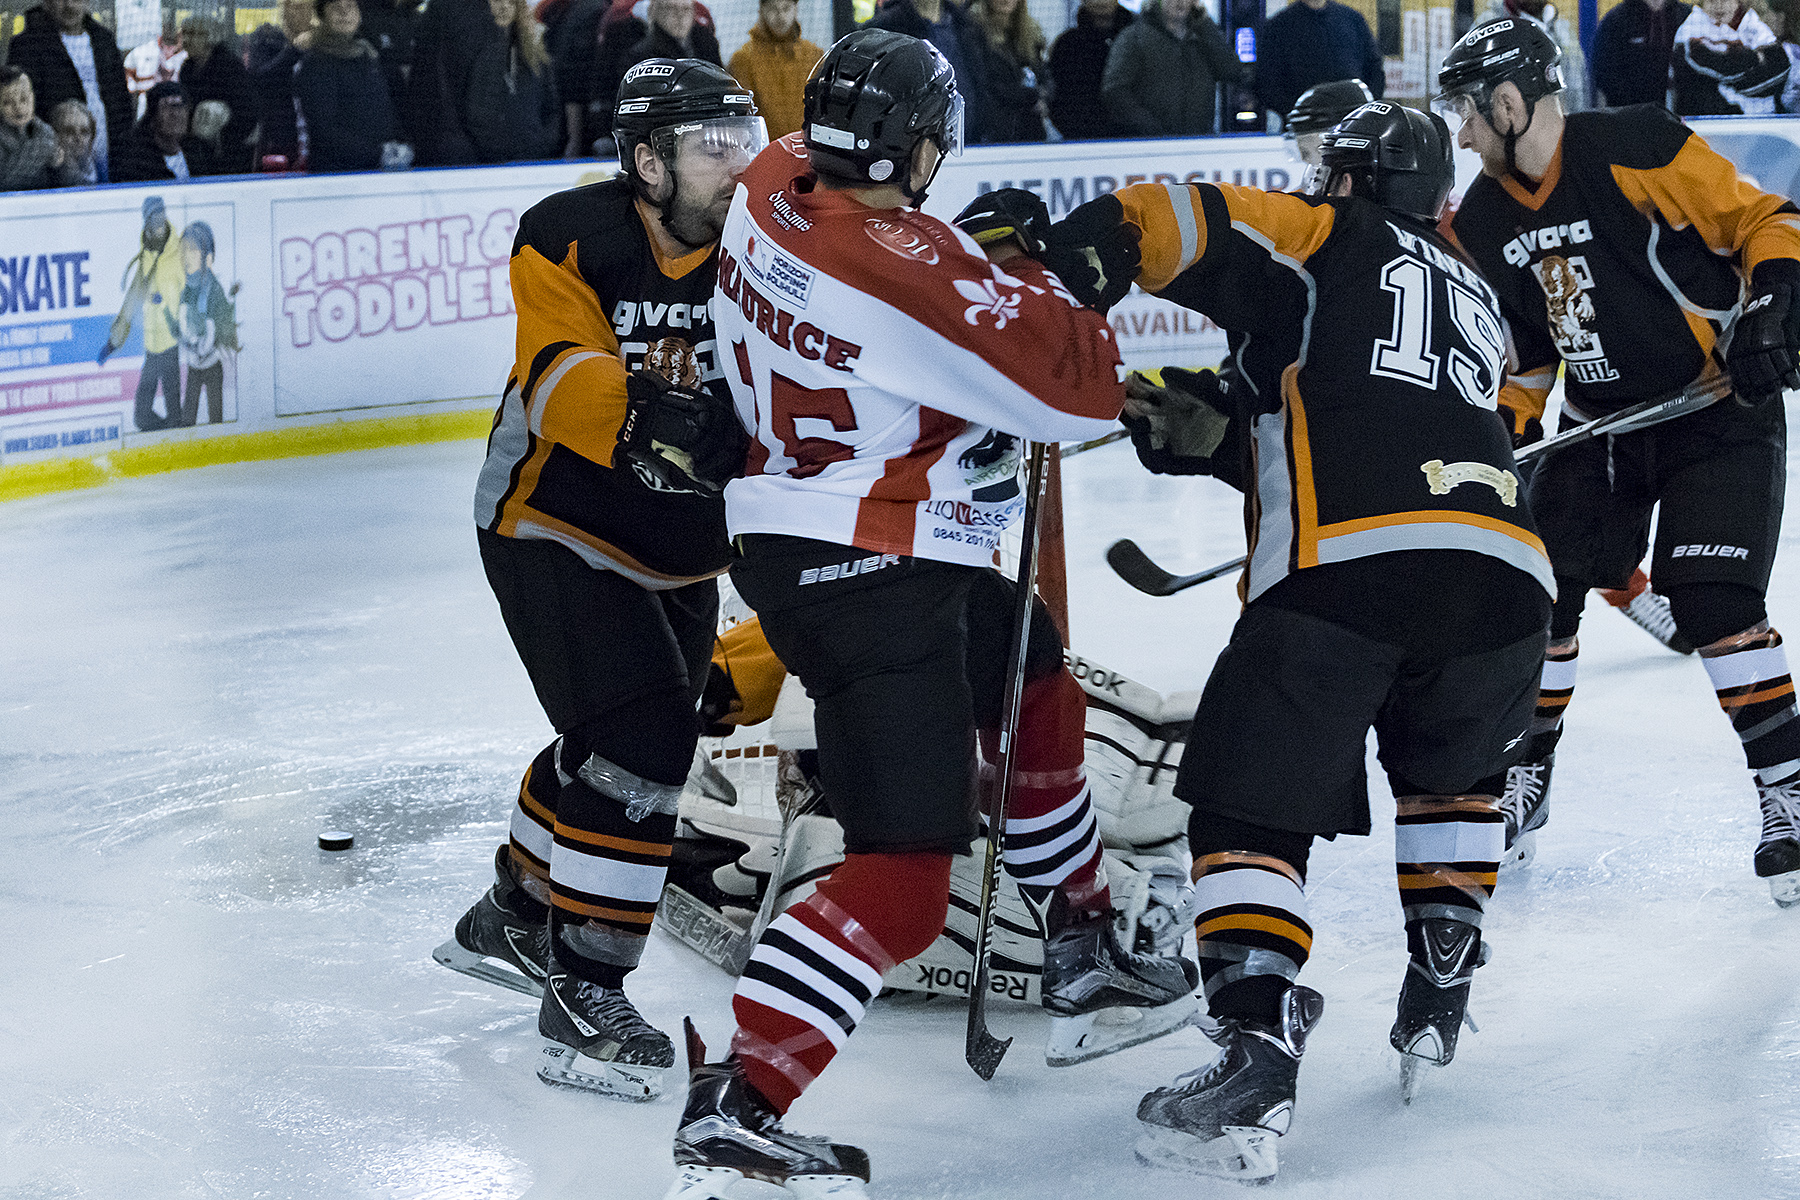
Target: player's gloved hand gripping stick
<point x="1135" y="567"/>
<point x="686" y="437"/>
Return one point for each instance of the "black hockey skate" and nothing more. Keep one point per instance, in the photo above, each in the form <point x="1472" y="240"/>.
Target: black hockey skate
<point x="729" y="1134"/>
<point x="1778" y="850"/>
<point x="595" y="1041"/>
<point x="1526" y="804"/>
<point x="1102" y="997"/>
<point x="498" y="940"/>
<point x="1223" y="1119"/>
<point x="1434" y="996"/>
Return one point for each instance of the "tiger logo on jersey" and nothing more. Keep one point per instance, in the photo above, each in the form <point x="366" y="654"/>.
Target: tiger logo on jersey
<point x="1566" y="282"/>
<point x="674" y="360"/>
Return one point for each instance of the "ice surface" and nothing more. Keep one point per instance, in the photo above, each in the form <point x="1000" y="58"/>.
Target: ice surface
<point x="201" y="671"/>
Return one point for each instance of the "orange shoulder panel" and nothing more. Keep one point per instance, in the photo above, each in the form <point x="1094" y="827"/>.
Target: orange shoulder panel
<point x="1700" y="187"/>
<point x="578" y="399"/>
<point x="1287" y="224"/>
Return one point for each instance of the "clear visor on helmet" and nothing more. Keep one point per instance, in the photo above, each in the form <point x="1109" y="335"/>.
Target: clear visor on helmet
<point x="1456" y="107"/>
<point x="1304" y="147"/>
<point x="729" y="142"/>
<point x="950" y="141"/>
<point x="1315" y="180"/>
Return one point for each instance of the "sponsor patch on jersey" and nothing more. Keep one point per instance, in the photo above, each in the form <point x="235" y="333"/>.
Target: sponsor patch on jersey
<point x="777" y="272"/>
<point x="784" y="213"/>
<point x="898" y="239"/>
<point x="1442" y="477"/>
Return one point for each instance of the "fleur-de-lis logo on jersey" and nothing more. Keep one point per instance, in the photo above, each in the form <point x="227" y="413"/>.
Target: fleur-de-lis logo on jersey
<point x="987" y="299"/>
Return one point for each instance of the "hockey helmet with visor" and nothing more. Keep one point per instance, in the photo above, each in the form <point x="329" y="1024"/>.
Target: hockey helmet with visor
<point x="873" y="98"/>
<point x="1398" y="157"/>
<point x="1515" y="50"/>
<point x="1318" y="109"/>
<point x="685" y="103"/>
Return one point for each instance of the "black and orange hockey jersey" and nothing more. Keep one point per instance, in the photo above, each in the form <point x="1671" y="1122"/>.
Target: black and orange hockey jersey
<point x="1627" y="261"/>
<point x="1372" y="358"/>
<point x="595" y="300"/>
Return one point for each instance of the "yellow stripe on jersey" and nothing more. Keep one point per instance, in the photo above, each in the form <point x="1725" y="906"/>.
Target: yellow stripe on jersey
<point x="1700" y="187"/>
<point x="1306" y="498"/>
<point x="1172" y="230"/>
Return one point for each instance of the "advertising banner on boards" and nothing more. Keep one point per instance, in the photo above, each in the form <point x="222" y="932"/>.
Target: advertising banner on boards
<point x="137" y="315"/>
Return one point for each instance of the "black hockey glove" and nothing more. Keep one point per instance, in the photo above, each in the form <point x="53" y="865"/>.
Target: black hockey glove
<point x="687" y="438"/>
<point x="1095" y="253"/>
<point x="1008" y="213"/>
<point x="1765" y="348"/>
<point x="1177" y="419"/>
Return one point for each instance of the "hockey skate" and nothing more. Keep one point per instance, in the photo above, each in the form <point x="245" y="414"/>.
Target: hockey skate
<point x="1224" y="1119"/>
<point x="1647" y="610"/>
<point x="595" y="1041"/>
<point x="1526" y="804"/>
<point x="1434" y="997"/>
<point x="495" y="942"/>
<point x="1778" y="850"/>
<point x="731" y="1143"/>
<point x="1101" y="996"/>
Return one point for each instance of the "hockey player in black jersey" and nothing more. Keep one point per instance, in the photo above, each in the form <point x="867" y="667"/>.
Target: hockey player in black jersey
<point x="1626" y="249"/>
<point x="601" y="528"/>
<point x="1394" y="581"/>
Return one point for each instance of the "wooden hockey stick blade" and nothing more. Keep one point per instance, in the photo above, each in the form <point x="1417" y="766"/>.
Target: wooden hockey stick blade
<point x="1135" y="567"/>
<point x="1069" y="451"/>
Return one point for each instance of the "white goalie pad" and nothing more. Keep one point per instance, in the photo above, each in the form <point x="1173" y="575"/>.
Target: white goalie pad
<point x="731" y="838"/>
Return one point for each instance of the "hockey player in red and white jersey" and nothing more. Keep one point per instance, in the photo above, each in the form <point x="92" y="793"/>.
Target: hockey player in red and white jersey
<point x="886" y="366"/>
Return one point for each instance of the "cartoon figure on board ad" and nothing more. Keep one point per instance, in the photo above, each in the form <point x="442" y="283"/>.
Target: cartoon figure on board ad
<point x="173" y="297"/>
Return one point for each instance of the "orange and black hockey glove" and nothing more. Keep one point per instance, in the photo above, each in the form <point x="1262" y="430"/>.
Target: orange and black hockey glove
<point x="1094" y="251"/>
<point x="1177" y="418"/>
<point x="1765" y="346"/>
<point x="688" y="439"/>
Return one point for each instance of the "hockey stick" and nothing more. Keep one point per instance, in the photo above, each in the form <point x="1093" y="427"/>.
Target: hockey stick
<point x="1135" y="567"/>
<point x="1105" y="439"/>
<point x="983" y="1050"/>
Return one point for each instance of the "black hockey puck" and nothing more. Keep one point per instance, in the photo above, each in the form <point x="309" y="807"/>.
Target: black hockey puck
<point x="335" y="839"/>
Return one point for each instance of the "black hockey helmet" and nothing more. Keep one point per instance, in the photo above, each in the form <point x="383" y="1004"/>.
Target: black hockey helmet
<point x="661" y="97"/>
<point x="1325" y="104"/>
<point x="1401" y="158"/>
<point x="871" y="100"/>
<point x="1515" y="50"/>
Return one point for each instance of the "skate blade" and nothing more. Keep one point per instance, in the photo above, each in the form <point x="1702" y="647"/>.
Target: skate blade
<point x="452" y="954"/>
<point x="1092" y="1035"/>
<point x="562" y="1066"/>
<point x="1246" y="1153"/>
<point x="1412" y="1071"/>
<point x="724" y="1183"/>
<point x="1785" y="889"/>
<point x="1518" y="856"/>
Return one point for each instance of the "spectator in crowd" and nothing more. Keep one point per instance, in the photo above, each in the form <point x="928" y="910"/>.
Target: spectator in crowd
<point x="572" y="35"/>
<point x="342" y="94"/>
<point x="1727" y="62"/>
<point x="1632" y="47"/>
<point x="30" y="156"/>
<point x="156" y="61"/>
<point x="1782" y="20"/>
<point x="74" y="128"/>
<point x="621" y="29"/>
<point x="1077" y="61"/>
<point x="959" y="39"/>
<point x="1314" y="41"/>
<point x="1162" y="71"/>
<point x="1014" y="47"/>
<point x="71" y="56"/>
<point x="775" y="63"/>
<point x="271" y="53"/>
<point x="508" y="103"/>
<point x="1562" y="31"/>
<point x="388" y="25"/>
<point x="446" y="39"/>
<point x="215" y="75"/>
<point x="673" y="33"/>
<point x="162" y="146"/>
